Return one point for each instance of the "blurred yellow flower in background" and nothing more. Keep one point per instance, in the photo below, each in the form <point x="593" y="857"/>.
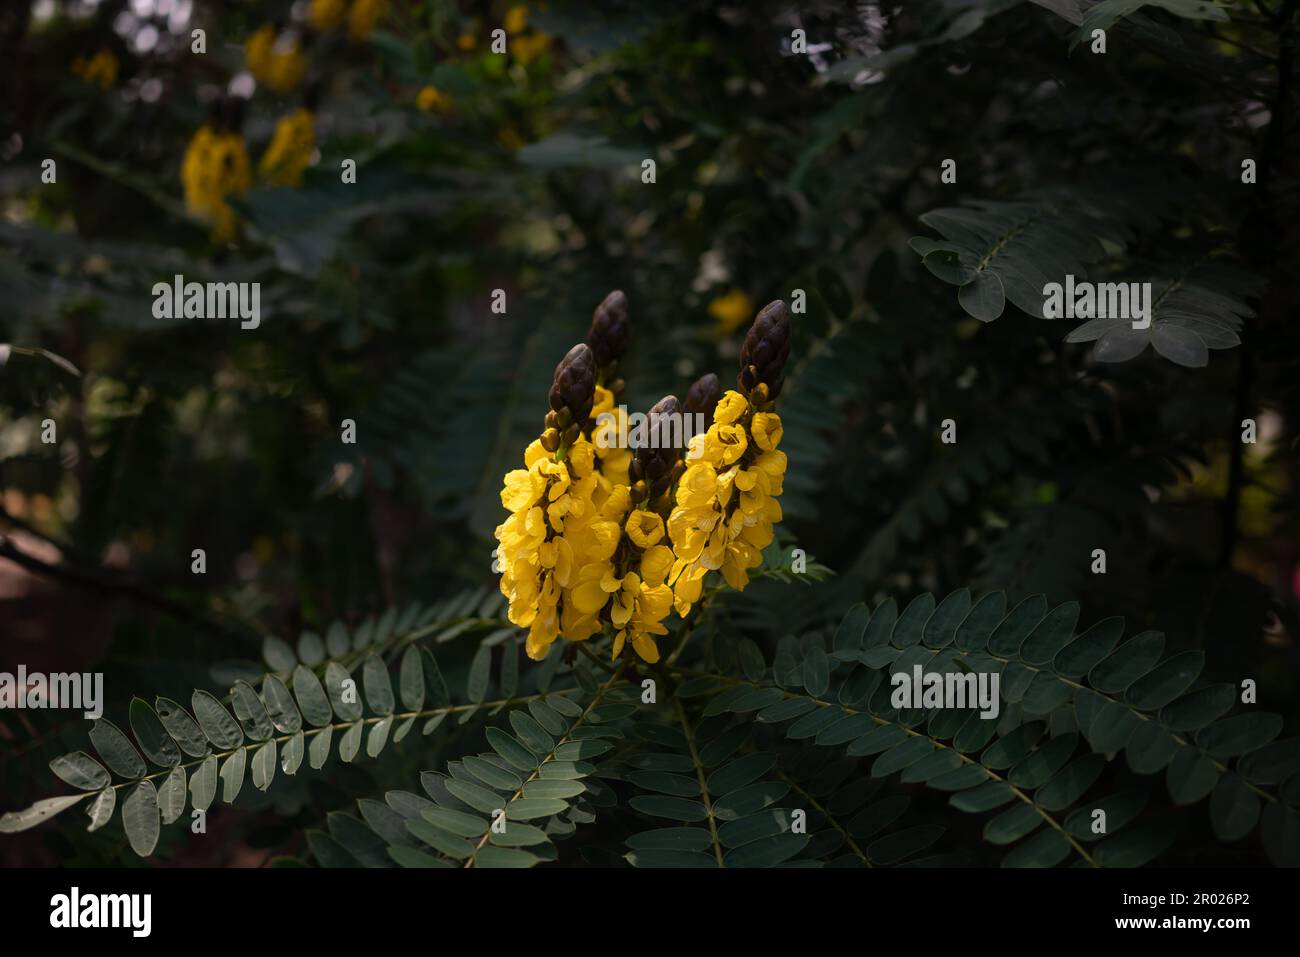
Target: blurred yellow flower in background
<point x="731" y="311"/>
<point x="431" y="98"/>
<point x="290" y="149"/>
<point x="100" y="70"/>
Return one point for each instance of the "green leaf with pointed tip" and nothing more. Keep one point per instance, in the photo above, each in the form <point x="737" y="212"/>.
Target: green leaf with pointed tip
<point x="497" y="857"/>
<point x="1037" y="768"/>
<point x="1195" y="710"/>
<point x="116" y="749"/>
<point x="763" y="824"/>
<point x="277" y="654"/>
<point x="1047" y="848"/>
<point x="1280" y="833"/>
<point x="1011" y="632"/>
<point x="1113" y="724"/>
<point x="1191" y="776"/>
<point x="440" y="840"/>
<point x="1136" y="846"/>
<point x="171" y="796"/>
<point x="279" y="705"/>
<point x="941" y="628"/>
<point x="529" y="809"/>
<point x="664" y="782"/>
<point x="494" y="776"/>
<point x="1012" y="824"/>
<point x="1126" y="664"/>
<point x="767" y="851"/>
<point x="232" y="774"/>
<point x="410" y="857"/>
<point x="532" y="734"/>
<point x="1120" y="809"/>
<point x="740" y="772"/>
<point x="477" y="684"/>
<point x="1070" y="783"/>
<point x="410" y="680"/>
<point x="318" y="752"/>
<point x="14" y="821"/>
<point x="911" y="623"/>
<point x="101" y="809"/>
<point x="81" y="771"/>
<point x="987" y="796"/>
<point x="901" y="756"/>
<point x="378" y="736"/>
<point x="900" y="845"/>
<point x="379" y="687"/>
<point x="973" y="633"/>
<point x="291" y="755"/>
<point x="816" y="672"/>
<point x="311" y="650"/>
<point x="385" y="822"/>
<point x="140" y="818"/>
<point x="561" y="790"/>
<point x="673" y="808"/>
<point x="183" y="729"/>
<point x="203" y="783"/>
<point x="216" y="722"/>
<point x="1271" y="764"/>
<point x="1234" y="808"/>
<point x="350" y="743"/>
<point x="251" y="712"/>
<point x="749" y="800"/>
<point x="311" y="697"/>
<point x="433" y="680"/>
<point x="1051" y="634"/>
<point x="548" y="717"/>
<point x="1150" y="748"/>
<point x="1082" y="654"/>
<point x="476" y="796"/>
<point x="518" y="835"/>
<point x="1239" y="734"/>
<point x="881" y="626"/>
<point x="456" y="822"/>
<point x="515" y="754"/>
<point x="1170" y="679"/>
<point x="344" y="695"/>
<point x="264" y="766"/>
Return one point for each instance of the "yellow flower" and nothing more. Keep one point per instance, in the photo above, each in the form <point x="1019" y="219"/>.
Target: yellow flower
<point x="766" y="429"/>
<point x="275" y="61"/>
<point x="431" y="98"/>
<point x="516" y="20"/>
<point x="731" y="311"/>
<point x="731" y="407"/>
<point x="100" y="70"/>
<point x="644" y="528"/>
<point x="526" y="49"/>
<point x="326" y="14"/>
<point x="214" y="167"/>
<point x="466" y="42"/>
<point x="363" y="16"/>
<point x="290" y="149"/>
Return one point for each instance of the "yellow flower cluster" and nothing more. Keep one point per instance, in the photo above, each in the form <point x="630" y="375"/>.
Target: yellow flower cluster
<point x="726" y="500"/>
<point x="100" y="70"/>
<point x="275" y="59"/>
<point x="553" y="531"/>
<point x="431" y="98"/>
<point x="215" y="167"/>
<point x="363" y="16"/>
<point x="586" y="548"/>
<point x="525" y="45"/>
<point x="290" y="149"/>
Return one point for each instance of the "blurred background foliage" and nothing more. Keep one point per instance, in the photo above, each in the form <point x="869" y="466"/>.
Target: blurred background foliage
<point x="779" y="166"/>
